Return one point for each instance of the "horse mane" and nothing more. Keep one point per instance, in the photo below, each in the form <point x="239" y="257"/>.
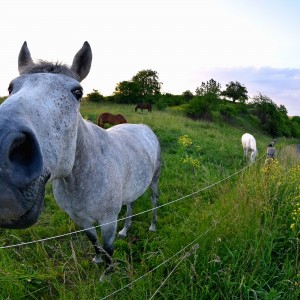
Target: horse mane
<point x="48" y="67"/>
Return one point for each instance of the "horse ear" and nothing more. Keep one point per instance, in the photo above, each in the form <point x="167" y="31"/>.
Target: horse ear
<point x="24" y="59"/>
<point x="82" y="61"/>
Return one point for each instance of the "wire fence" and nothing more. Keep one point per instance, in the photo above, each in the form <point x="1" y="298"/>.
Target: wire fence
<point x="192" y="244"/>
<point x="184" y="251"/>
<point x="173" y="256"/>
<point x="134" y="215"/>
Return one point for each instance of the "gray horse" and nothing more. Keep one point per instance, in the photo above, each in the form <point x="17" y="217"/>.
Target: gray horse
<point x="93" y="171"/>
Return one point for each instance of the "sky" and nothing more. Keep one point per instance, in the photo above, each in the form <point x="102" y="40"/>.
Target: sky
<point x="186" y="41"/>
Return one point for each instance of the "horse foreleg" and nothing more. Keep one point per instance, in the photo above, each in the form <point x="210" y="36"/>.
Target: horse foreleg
<point x="92" y="235"/>
<point x="246" y="153"/>
<point x="128" y="221"/>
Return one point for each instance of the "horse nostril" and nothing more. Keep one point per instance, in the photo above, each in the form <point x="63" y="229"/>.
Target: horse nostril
<point x="25" y="158"/>
<point x="21" y="151"/>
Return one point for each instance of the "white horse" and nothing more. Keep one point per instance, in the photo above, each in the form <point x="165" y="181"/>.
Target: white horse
<point x="249" y="146"/>
<point x="94" y="171"/>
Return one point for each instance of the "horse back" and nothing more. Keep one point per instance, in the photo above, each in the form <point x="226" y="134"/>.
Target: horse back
<point x="136" y="152"/>
<point x="135" y="141"/>
<point x="144" y="106"/>
<point x="111" y="119"/>
<point x="248" y="141"/>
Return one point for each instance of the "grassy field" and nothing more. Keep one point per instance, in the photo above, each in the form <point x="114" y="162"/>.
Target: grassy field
<point x="236" y="239"/>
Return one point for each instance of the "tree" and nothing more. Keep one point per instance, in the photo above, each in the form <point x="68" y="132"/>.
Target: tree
<point x="142" y="87"/>
<point x="236" y="92"/>
<point x="94" y="96"/>
<point x="209" y="87"/>
<point x="148" y="82"/>
<point x="274" y="119"/>
<point x="127" y="92"/>
<point x="210" y="91"/>
<point x="187" y="95"/>
<point x="267" y="112"/>
<point x="282" y="109"/>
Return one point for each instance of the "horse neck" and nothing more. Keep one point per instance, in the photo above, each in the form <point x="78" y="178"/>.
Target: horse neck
<point x="88" y="147"/>
<point x="89" y="136"/>
<point x="253" y="144"/>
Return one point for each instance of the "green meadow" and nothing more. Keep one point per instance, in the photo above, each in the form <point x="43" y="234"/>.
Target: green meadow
<point x="226" y="229"/>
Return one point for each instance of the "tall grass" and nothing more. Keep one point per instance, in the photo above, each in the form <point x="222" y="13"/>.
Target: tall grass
<point x="236" y="240"/>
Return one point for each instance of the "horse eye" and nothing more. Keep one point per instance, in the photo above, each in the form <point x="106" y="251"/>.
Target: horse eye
<point x="78" y="93"/>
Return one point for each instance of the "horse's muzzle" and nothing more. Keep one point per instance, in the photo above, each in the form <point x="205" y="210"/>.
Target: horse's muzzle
<point x="21" y="158"/>
<point x="22" y="183"/>
<point x="21" y="208"/>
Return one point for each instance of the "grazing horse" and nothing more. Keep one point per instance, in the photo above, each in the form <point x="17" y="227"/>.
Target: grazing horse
<point x="249" y="146"/>
<point x="108" y="118"/>
<point x="93" y="171"/>
<point x="142" y="106"/>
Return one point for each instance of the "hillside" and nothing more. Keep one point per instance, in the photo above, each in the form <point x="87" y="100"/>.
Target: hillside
<point x="225" y="229"/>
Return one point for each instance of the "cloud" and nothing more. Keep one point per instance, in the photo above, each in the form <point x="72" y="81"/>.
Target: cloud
<point x="282" y="85"/>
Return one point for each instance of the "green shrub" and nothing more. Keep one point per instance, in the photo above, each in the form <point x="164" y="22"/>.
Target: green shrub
<point x="227" y="111"/>
<point x="169" y="100"/>
<point x="94" y="96"/>
<point x="199" y="108"/>
<point x="295" y="126"/>
<point x="161" y="104"/>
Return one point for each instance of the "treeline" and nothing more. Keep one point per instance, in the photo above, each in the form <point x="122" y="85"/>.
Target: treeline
<point x="209" y="99"/>
<point x="231" y="103"/>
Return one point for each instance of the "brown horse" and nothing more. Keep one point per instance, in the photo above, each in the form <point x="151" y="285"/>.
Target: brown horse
<point x="142" y="106"/>
<point x="110" y="119"/>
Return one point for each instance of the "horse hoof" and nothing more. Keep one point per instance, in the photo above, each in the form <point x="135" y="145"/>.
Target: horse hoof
<point x="152" y="228"/>
<point x="97" y="260"/>
<point x="122" y="234"/>
<point x="105" y="277"/>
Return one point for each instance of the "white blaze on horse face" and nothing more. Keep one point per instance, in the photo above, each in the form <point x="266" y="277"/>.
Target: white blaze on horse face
<point x="46" y="103"/>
